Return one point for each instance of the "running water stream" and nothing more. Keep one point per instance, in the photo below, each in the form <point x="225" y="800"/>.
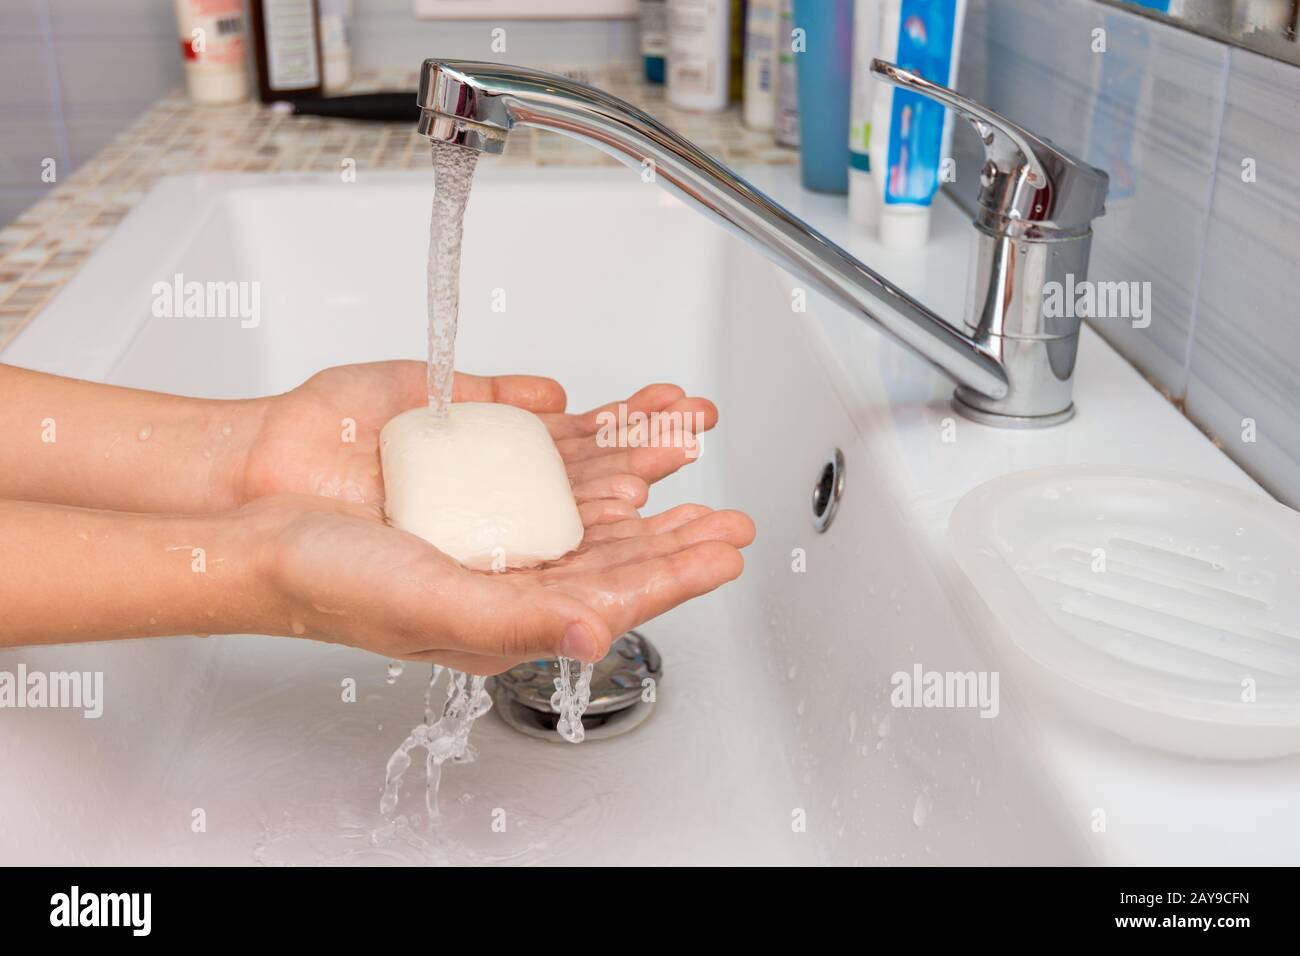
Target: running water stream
<point x="447" y="737"/>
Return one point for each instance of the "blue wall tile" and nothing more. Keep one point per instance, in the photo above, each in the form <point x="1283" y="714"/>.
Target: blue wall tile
<point x="1245" y="360"/>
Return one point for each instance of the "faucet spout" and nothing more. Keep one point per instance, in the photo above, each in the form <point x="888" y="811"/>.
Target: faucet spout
<point x="475" y="105"/>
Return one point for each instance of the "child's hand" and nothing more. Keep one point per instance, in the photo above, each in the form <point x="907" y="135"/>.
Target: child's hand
<point x="335" y="572"/>
<point x="322" y="438"/>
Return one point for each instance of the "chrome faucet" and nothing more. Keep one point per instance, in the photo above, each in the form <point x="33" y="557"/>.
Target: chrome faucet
<point x="1013" y="363"/>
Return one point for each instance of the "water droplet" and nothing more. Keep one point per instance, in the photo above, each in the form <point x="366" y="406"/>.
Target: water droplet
<point x="883" y="728"/>
<point x="144" y="433"/>
<point x="226" y="430"/>
<point x="395" y="669"/>
<point x="921" y="810"/>
<point x="298" y="627"/>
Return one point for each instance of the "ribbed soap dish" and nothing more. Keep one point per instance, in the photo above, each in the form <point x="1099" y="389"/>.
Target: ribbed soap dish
<point x="1162" y="607"/>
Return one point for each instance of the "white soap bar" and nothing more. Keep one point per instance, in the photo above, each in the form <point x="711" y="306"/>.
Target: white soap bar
<point x="485" y="485"/>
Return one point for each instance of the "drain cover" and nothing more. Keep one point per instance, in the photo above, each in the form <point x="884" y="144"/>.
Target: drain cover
<point x="618" y="687"/>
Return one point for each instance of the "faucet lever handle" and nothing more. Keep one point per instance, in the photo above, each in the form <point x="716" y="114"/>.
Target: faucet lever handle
<point x="1028" y="184"/>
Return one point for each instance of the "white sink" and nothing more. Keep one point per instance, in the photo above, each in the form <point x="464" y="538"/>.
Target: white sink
<point x="775" y="700"/>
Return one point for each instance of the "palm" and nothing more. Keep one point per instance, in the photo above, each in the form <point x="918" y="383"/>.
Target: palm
<point x="364" y="583"/>
<point x="322" y="438"/>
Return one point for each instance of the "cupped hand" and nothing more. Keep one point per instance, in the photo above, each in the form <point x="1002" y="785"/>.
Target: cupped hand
<point x="322" y="438"/>
<point x="339" y="574"/>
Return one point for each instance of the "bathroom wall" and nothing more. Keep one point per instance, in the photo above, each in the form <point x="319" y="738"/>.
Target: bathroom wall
<point x="1201" y="142"/>
<point x="386" y="36"/>
<point x="75" y="72"/>
<point x="72" y="73"/>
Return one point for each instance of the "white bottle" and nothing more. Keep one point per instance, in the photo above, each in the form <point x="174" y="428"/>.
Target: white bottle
<point x="786" y="132"/>
<point x="212" y="43"/>
<point x="699" y="54"/>
<point x="335" y="43"/>
<point x="761" y="21"/>
<point x="864" y="198"/>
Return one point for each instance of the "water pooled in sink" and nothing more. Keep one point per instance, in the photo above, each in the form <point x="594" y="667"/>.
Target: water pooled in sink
<point x="447" y="737"/>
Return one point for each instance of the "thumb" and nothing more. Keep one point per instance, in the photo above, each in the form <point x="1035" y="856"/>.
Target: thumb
<point x="537" y="625"/>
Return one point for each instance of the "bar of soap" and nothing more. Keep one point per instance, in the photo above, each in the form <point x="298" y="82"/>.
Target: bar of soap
<point x="485" y="485"/>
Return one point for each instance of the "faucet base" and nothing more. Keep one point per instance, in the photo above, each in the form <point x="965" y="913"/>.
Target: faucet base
<point x="997" y="420"/>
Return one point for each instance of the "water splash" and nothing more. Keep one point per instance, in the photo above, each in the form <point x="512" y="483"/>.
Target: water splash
<point x="570" y="700"/>
<point x="445" y="739"/>
<point x="453" y="174"/>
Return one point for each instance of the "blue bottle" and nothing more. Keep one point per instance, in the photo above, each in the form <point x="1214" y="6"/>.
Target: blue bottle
<point x="825" y="69"/>
<point x="654" y="38"/>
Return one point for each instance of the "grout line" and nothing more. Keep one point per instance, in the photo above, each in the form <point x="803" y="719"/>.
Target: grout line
<point x="56" y="88"/>
<point x="1199" y="278"/>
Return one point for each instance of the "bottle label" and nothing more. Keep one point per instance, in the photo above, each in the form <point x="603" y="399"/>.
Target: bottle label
<point x="291" y="55"/>
<point x="925" y="47"/>
<point x="693" y="67"/>
<point x="212" y="34"/>
<point x="654" y="28"/>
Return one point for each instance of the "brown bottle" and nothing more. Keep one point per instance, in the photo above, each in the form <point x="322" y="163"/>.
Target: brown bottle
<point x="286" y="42"/>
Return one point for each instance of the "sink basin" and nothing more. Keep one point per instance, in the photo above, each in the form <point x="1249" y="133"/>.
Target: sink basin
<point x="774" y="739"/>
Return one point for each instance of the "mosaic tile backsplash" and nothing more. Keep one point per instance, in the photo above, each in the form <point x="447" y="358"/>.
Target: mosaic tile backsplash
<point x="45" y="245"/>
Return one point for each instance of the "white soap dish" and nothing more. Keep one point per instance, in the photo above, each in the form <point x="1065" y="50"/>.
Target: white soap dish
<point x="1162" y="607"/>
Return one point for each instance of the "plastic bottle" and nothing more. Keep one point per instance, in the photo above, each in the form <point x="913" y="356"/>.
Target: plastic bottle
<point x="786" y="130"/>
<point x="910" y="133"/>
<point x="654" y="38"/>
<point x="212" y="43"/>
<point x="335" y="43"/>
<point x="699" y="54"/>
<point x="825" y="70"/>
<point x="759" y="109"/>
<point x="864" y="198"/>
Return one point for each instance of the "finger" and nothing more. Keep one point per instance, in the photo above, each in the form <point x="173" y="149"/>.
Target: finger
<point x="730" y="527"/>
<point x="481" y="664"/>
<point x="648" y="464"/>
<point x="514" y="618"/>
<point x="632" y="527"/>
<point x="624" y="487"/>
<point x="538" y="395"/>
<point x="632" y="594"/>
<point x="651" y="398"/>
<point x="605" y="511"/>
<point x="674" y="427"/>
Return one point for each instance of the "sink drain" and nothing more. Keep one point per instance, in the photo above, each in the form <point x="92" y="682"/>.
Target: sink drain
<point x="620" y="685"/>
